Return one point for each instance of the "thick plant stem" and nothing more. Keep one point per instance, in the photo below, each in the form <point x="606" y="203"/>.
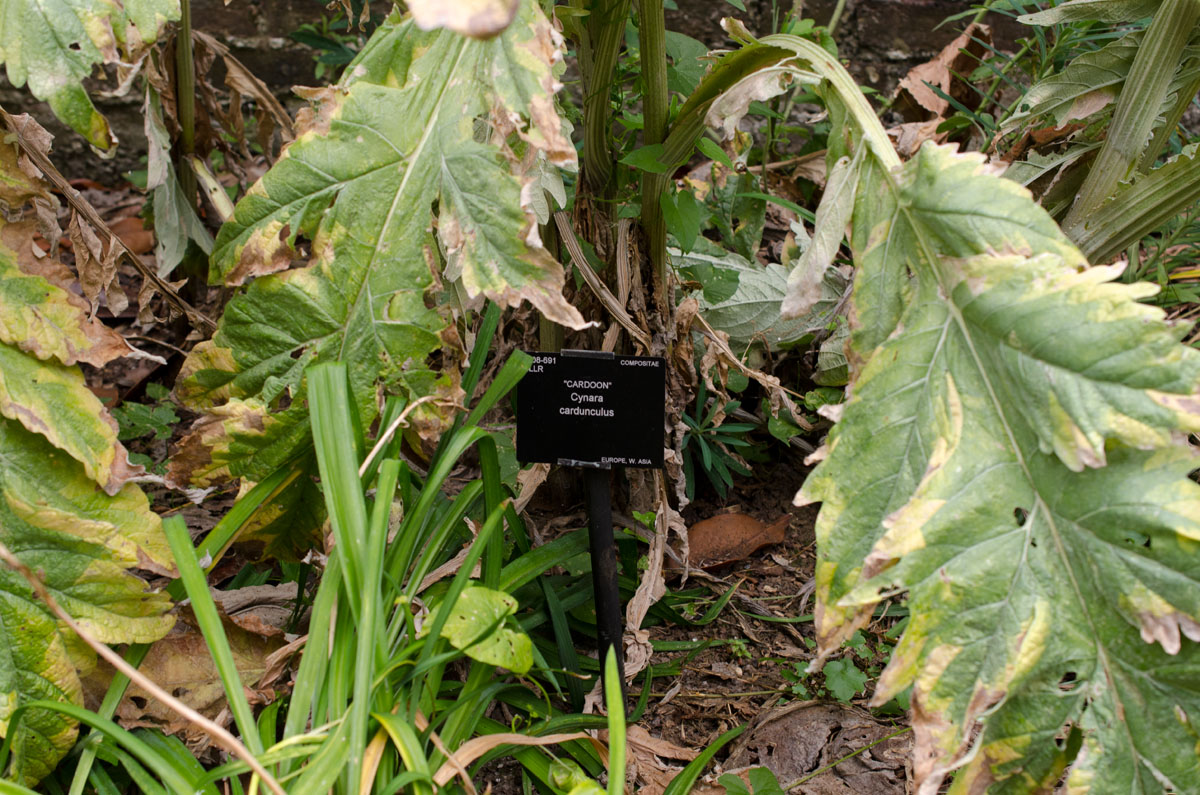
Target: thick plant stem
<point x="550" y="334"/>
<point x="606" y="31"/>
<point x="653" y="42"/>
<point x="185" y="101"/>
<point x="1133" y="119"/>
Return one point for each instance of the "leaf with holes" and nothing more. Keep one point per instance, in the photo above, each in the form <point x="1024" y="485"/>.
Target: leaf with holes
<point x="1012" y="455"/>
<point x="53" y="47"/>
<point x="477" y="625"/>
<point x="401" y="134"/>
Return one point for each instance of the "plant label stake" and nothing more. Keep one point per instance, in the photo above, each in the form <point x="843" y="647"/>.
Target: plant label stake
<point x="595" y="410"/>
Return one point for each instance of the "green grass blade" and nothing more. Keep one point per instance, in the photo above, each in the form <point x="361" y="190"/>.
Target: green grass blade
<point x="493" y="494"/>
<point x="456" y="588"/>
<point x="411" y="751"/>
<point x="325" y="765"/>
<point x="572" y="544"/>
<point x="450" y="521"/>
<point x="150" y="757"/>
<point x="141" y="778"/>
<point x="175" y="752"/>
<point x="683" y="783"/>
<point x="614" y="701"/>
<point x="209" y="621"/>
<point x="333" y="435"/>
<point x="532" y="563"/>
<point x="400" y="555"/>
<point x="307" y="690"/>
<point x="513" y="371"/>
<point x="483" y="342"/>
<point x="211" y="548"/>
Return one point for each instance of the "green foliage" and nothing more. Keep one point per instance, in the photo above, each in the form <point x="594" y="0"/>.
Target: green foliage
<point x="762" y="782"/>
<point x="706" y="446"/>
<point x="397" y="136"/>
<point x="749" y="313"/>
<point x="476" y="626"/>
<point x="1013" y="451"/>
<point x="377" y="671"/>
<point x="53" y="48"/>
<point x="1129" y="95"/>
<point x="844" y="679"/>
<point x="67" y="509"/>
<point x="137" y="420"/>
<point x="336" y="38"/>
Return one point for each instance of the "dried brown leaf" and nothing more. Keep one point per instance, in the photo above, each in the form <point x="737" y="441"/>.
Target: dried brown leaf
<point x="182" y="665"/>
<point x="730" y="537"/>
<point x="917" y="101"/>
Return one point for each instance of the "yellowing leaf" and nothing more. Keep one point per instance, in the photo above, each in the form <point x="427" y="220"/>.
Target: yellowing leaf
<point x="81" y="541"/>
<point x="1013" y="456"/>
<point x="400" y="135"/>
<point x="54" y="47"/>
<point x="66" y="509"/>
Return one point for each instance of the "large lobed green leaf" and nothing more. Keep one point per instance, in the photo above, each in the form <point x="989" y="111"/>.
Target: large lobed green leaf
<point x="1013" y="456"/>
<point x="66" y="508"/>
<point x="424" y="121"/>
<point x="54" y="45"/>
<point x="1010" y="456"/>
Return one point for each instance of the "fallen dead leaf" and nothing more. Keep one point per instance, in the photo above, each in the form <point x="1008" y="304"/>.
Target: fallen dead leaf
<point x="136" y="238"/>
<point x="262" y="609"/>
<point x="800" y="738"/>
<point x="646" y="755"/>
<point x="916" y="101"/>
<point x="182" y="665"/>
<point x="731" y="537"/>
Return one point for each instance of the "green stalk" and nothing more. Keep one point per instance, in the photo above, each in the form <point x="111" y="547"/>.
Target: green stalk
<point x="652" y="36"/>
<point x="1137" y="107"/>
<point x="193" y="268"/>
<point x="836" y="16"/>
<point x="550" y="334"/>
<point x="606" y="32"/>
<point x="185" y="101"/>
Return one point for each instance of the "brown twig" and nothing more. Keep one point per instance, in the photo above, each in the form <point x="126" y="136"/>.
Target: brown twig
<point x="593" y="281"/>
<point x="85" y="209"/>
<point x="218" y="732"/>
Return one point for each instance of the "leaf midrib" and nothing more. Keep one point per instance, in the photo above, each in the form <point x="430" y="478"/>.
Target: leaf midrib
<point x="928" y="252"/>
<point x="413" y="159"/>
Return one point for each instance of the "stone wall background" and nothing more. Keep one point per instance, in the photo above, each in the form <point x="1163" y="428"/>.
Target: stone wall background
<point x="882" y="40"/>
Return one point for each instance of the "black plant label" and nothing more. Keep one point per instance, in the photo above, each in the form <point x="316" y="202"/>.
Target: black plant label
<point x="586" y="408"/>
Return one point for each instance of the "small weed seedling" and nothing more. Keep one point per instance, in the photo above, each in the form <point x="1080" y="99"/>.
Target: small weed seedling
<point x="141" y="420"/>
